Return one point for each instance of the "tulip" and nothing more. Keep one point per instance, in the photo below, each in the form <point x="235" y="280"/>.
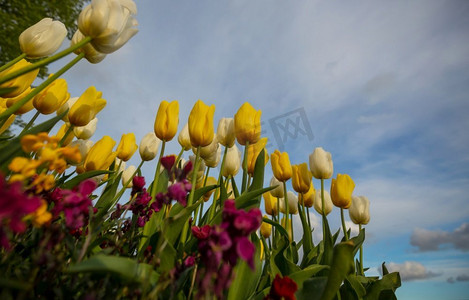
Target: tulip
<point x="201" y="124"/>
<point x="149" y="146"/>
<point x="359" y="210"/>
<point x="281" y="166"/>
<point x="127" y="176"/>
<point x="61" y="133"/>
<point x="210" y="181"/>
<point x="288" y="227"/>
<point x="301" y="179"/>
<point x="119" y="165"/>
<point x="91" y="54"/>
<point x="213" y="160"/>
<point x="226" y="132"/>
<point x="127" y="146"/>
<point x="308" y="197"/>
<point x="270" y="204"/>
<point x="22" y="82"/>
<point x="43" y="38"/>
<point x="83" y="146"/>
<point x="100" y="156"/>
<point x="247" y="124"/>
<point x="9" y="121"/>
<point x="327" y="203"/>
<point x="184" y="138"/>
<point x="110" y="23"/>
<point x="66" y="106"/>
<point x="208" y="150"/>
<point x="52" y="97"/>
<point x="266" y="229"/>
<point x="232" y="162"/>
<point x="278" y="191"/>
<point x="87" y="107"/>
<point x="320" y="163"/>
<point x="87" y="131"/>
<point x="292" y="203"/>
<point x="167" y="120"/>
<point x="27" y="107"/>
<point x="341" y="190"/>
<point x="253" y="152"/>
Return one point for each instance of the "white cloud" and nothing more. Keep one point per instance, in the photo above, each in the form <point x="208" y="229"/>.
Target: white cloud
<point x="431" y="240"/>
<point x="411" y="270"/>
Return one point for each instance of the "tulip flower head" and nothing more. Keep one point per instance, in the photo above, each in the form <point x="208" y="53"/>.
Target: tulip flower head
<point x="43" y="38"/>
<point x="149" y="146"/>
<point x="52" y="97"/>
<point x="320" y="164"/>
<point x="127" y="175"/>
<point x="278" y="191"/>
<point x="214" y="159"/>
<point x="207" y="151"/>
<point x="232" y="162"/>
<point x="127" y="147"/>
<point x="87" y="131"/>
<point x="253" y="152"/>
<point x="266" y="229"/>
<point x="247" y="122"/>
<point x="281" y="166"/>
<point x="201" y="124"/>
<point x="341" y="190"/>
<point x="309" y="196"/>
<point x="292" y="203"/>
<point x="22" y="82"/>
<point x="91" y="54"/>
<point x="184" y="138"/>
<point x="301" y="179"/>
<point x="226" y="132"/>
<point x="9" y="121"/>
<point x="100" y="156"/>
<point x="83" y="146"/>
<point x="27" y="107"/>
<point x="167" y="120"/>
<point x="86" y="107"/>
<point x="270" y="204"/>
<point x="359" y="210"/>
<point x="66" y="106"/>
<point x="327" y="203"/>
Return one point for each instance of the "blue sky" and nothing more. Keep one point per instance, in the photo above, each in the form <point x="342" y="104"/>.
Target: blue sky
<point x="384" y="87"/>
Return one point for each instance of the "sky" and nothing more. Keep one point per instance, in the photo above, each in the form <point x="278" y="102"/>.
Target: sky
<point x="382" y="85"/>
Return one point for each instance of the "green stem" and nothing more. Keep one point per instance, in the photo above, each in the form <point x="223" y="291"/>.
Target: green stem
<point x="12" y="62"/>
<point x="309" y="219"/>
<point x="361" y="253"/>
<point x="12" y="109"/>
<point x="46" y="61"/>
<point x="157" y="172"/>
<point x="220" y="177"/>
<point x="201" y="207"/>
<point x="322" y="208"/>
<point x="30" y="123"/>
<point x="245" y="167"/>
<point x="285" y="197"/>
<point x="343" y="224"/>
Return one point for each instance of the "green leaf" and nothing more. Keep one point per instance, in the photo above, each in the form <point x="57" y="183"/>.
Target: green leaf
<point x="307" y="239"/>
<point x="202" y="191"/>
<point x="7" y="90"/>
<point x="355" y="284"/>
<point x="278" y="227"/>
<point x="105" y="202"/>
<point x="250" y="198"/>
<point x="258" y="176"/>
<point x="81" y="177"/>
<point x="174" y="224"/>
<point x="389" y="283"/>
<point x="308" y="272"/>
<point x="280" y="261"/>
<point x="385" y="270"/>
<point x="358" y="241"/>
<point x="328" y="244"/>
<point x="312" y="289"/>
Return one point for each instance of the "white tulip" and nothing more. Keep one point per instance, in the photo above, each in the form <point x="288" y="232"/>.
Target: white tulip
<point x="66" y="106"/>
<point x="208" y="150"/>
<point x="121" y="164"/>
<point x="84" y="147"/>
<point x="327" y="202"/>
<point x="127" y="176"/>
<point x="87" y="131"/>
<point x="226" y="132"/>
<point x="278" y="191"/>
<point x="232" y="162"/>
<point x="149" y="145"/>
<point x="320" y="164"/>
<point x="292" y="203"/>
<point x="214" y="158"/>
<point x="91" y="54"/>
<point x="359" y="210"/>
<point x="43" y="38"/>
<point x="184" y="139"/>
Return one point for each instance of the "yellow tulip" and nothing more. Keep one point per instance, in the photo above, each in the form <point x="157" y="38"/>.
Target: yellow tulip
<point x="341" y="190"/>
<point x="201" y="124"/>
<point x="266" y="229"/>
<point x="253" y="152"/>
<point x="210" y="181"/>
<point x="9" y="121"/>
<point x="100" y="156"/>
<point x="281" y="166"/>
<point x="127" y="146"/>
<point x="308" y="197"/>
<point x="27" y="107"/>
<point x="22" y="82"/>
<point x="167" y="120"/>
<point x="247" y="122"/>
<point x="52" y="97"/>
<point x="87" y="107"/>
<point x="60" y="134"/>
<point x="270" y="204"/>
<point x="301" y="179"/>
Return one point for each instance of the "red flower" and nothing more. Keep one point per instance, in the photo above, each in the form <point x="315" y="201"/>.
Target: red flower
<point x="282" y="288"/>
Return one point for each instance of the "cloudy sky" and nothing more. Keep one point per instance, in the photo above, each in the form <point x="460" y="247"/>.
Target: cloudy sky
<point x="381" y="85"/>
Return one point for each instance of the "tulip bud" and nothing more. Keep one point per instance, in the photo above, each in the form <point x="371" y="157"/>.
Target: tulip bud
<point x="341" y="190"/>
<point x="281" y="166"/>
<point x="359" y="211"/>
<point x="87" y="131"/>
<point x="91" y="54"/>
<point x="253" y="152"/>
<point x="226" y="132"/>
<point x="308" y="198"/>
<point x="43" y="38"/>
<point x="27" y="107"/>
<point x="201" y="124"/>
<point x="149" y="146"/>
<point x="301" y="179"/>
<point x="110" y="23"/>
<point x="84" y="147"/>
<point x="270" y="204"/>
<point x="292" y="200"/>
<point x="86" y="107"/>
<point x="127" y="146"/>
<point x="320" y="163"/>
<point x="184" y="138"/>
<point x="327" y="203"/>
<point x="52" y="97"/>
<point x="167" y="120"/>
<point x="232" y="162"/>
<point x="66" y="106"/>
<point x="266" y="229"/>
<point x="278" y="191"/>
<point x="214" y="158"/>
<point x="22" y="82"/>
<point x="208" y="150"/>
<point x="247" y="124"/>
<point x="127" y="176"/>
<point x="100" y="156"/>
